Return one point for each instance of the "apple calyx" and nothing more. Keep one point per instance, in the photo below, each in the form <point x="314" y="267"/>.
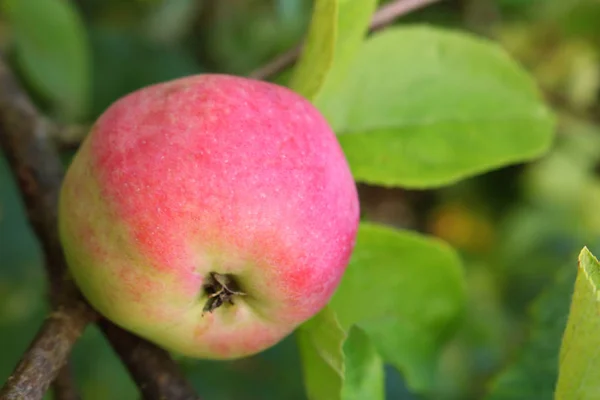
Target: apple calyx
<point x="220" y="289"/>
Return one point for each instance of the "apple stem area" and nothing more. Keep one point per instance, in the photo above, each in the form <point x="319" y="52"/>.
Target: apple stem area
<point x="220" y="289"/>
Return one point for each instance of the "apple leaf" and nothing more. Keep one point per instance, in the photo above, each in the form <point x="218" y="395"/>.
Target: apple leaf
<point x="534" y="372"/>
<point x="337" y="31"/>
<point x="338" y="365"/>
<point x="52" y="50"/>
<point x="317" y="54"/>
<point x="353" y="23"/>
<point x="404" y="291"/>
<point x="424" y="107"/>
<point x="364" y="376"/>
<point x="579" y="363"/>
<point x="320" y="342"/>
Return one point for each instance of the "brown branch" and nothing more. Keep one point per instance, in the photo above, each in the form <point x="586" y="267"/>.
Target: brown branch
<point x="278" y="64"/>
<point x="64" y="385"/>
<point x="383" y="17"/>
<point x="156" y="379"/>
<point x="390" y="12"/>
<point x="48" y="352"/>
<point x="37" y="167"/>
<point x="67" y="137"/>
<point x="23" y="136"/>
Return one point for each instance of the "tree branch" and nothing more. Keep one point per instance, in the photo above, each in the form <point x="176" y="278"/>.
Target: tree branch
<point x="278" y="64"/>
<point x="48" y="352"/>
<point x="64" y="386"/>
<point x="390" y="12"/>
<point x="23" y="136"/>
<point x="156" y="379"/>
<point x="67" y="137"/>
<point x="37" y="167"/>
<point x="383" y="17"/>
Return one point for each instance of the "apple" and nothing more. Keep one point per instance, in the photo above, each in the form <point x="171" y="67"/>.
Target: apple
<point x="210" y="214"/>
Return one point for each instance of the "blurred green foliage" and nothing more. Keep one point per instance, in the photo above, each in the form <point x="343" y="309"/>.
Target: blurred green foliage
<point x="518" y="229"/>
<point x="51" y="49"/>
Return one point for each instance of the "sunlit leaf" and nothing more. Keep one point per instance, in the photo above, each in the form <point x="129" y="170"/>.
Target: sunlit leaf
<point x="424" y="107"/>
<point x="364" y="373"/>
<point x="579" y="364"/>
<point x="320" y="343"/>
<point x="404" y="291"/>
<point x="337" y="31"/>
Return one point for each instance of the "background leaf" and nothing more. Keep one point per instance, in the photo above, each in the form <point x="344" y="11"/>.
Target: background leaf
<point x="52" y="50"/>
<point x="405" y="291"/>
<point x="425" y="107"/>
<point x="320" y="344"/>
<point x="132" y="62"/>
<point x="579" y="371"/>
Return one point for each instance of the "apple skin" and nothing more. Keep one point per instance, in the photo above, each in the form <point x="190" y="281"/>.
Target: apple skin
<point x="209" y="173"/>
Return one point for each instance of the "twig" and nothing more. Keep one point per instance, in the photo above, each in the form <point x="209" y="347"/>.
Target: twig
<point x="23" y="136"/>
<point x="35" y="163"/>
<point x="64" y="386"/>
<point x="67" y="137"/>
<point x="278" y="64"/>
<point x="156" y="379"/>
<point x="47" y="353"/>
<point x="390" y="12"/>
<point x="384" y="16"/>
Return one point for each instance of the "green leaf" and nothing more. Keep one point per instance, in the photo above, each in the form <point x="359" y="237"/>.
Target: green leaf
<point x="320" y="343"/>
<point x="317" y="54"/>
<point x="52" y="50"/>
<point x="337" y="31"/>
<point x="353" y="23"/>
<point x="404" y="291"/>
<point x="425" y="107"/>
<point x="533" y="374"/>
<point x="579" y="366"/>
<point x="364" y="376"/>
<point x="337" y="365"/>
